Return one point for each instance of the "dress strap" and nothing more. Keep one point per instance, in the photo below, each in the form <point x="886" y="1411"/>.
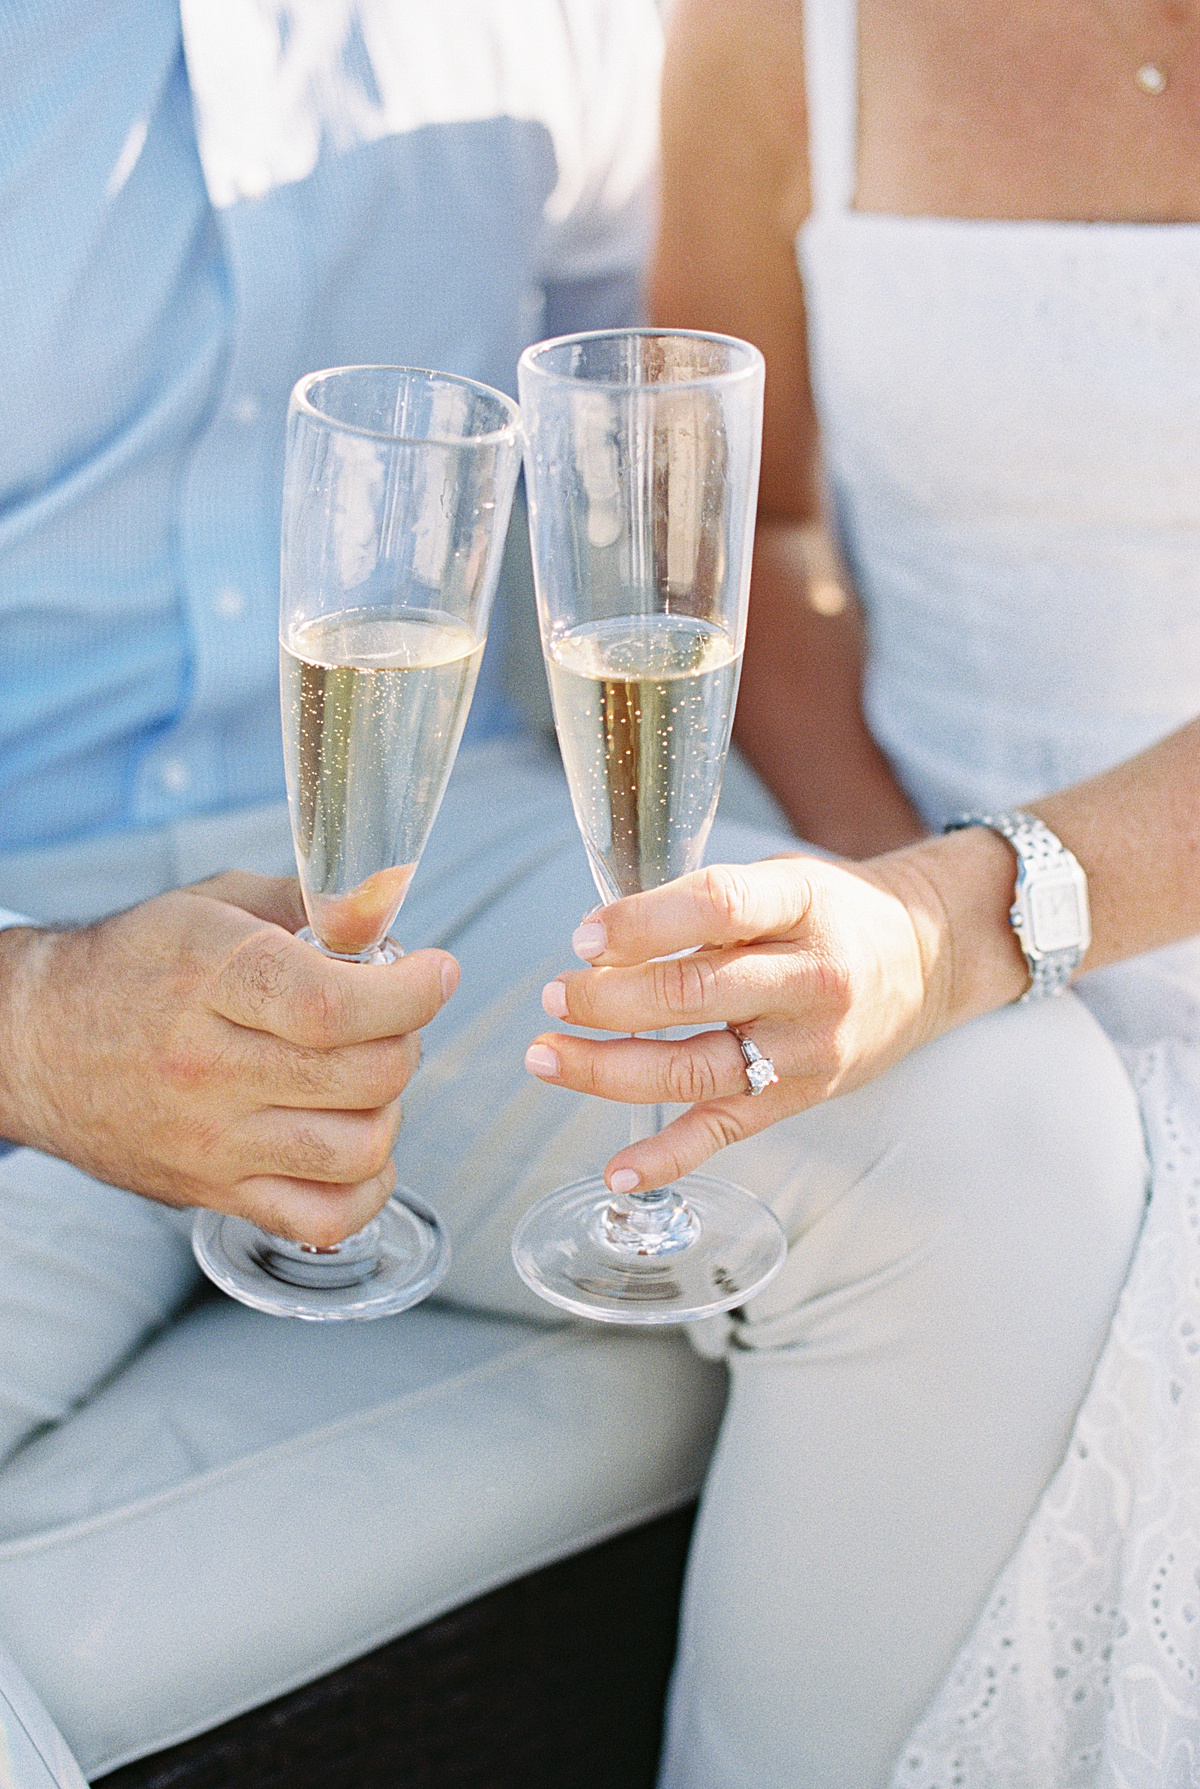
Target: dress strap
<point x="831" y="81"/>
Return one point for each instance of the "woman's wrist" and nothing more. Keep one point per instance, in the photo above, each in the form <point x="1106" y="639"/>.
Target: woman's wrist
<point x="958" y="888"/>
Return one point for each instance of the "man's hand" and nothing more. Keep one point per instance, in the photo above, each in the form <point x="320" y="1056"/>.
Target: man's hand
<point x="193" y="1050"/>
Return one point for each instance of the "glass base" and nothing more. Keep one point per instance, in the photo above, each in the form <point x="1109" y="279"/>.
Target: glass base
<point x="396" y="1261"/>
<point x="710" y="1247"/>
<point x="387" y="952"/>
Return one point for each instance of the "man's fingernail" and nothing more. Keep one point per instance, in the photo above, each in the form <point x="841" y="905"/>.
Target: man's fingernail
<point x="542" y="1061"/>
<point x="624" y="1181"/>
<point x="451" y="976"/>
<point x="554" y="999"/>
<point x="589" y="940"/>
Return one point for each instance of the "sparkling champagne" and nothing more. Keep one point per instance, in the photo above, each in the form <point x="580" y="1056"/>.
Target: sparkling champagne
<point x="374" y="704"/>
<point x="644" y="706"/>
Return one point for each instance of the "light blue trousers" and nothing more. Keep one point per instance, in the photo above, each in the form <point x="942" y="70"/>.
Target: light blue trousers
<point x="959" y="1232"/>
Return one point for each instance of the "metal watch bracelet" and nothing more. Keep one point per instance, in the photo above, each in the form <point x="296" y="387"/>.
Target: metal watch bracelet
<point x="1050" y="895"/>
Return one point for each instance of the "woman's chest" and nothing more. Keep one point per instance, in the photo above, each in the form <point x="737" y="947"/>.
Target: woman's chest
<point x="1013" y="109"/>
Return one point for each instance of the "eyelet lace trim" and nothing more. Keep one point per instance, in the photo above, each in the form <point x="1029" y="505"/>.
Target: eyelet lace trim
<point x="1083" y="1672"/>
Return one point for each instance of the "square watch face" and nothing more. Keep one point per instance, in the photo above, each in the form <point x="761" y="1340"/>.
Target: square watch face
<point x="1054" y="910"/>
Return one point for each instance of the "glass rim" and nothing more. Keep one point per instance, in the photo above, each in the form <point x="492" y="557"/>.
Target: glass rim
<point x="302" y="404"/>
<point x="529" y="360"/>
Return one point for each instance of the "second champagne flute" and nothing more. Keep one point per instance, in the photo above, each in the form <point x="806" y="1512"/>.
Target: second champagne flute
<point x="641" y="464"/>
<point x="397" y="489"/>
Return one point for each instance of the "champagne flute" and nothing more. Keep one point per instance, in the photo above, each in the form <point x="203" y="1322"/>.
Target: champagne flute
<point x="396" y="496"/>
<point x="641" y="466"/>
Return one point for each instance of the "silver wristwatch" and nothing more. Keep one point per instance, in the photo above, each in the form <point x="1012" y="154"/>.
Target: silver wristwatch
<point x="1050" y="912"/>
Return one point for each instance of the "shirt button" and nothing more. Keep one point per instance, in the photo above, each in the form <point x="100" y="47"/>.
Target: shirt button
<point x="175" y="775"/>
<point x="246" y="409"/>
<point x="229" y="603"/>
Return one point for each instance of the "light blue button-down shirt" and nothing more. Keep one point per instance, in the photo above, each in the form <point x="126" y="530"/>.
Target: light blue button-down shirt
<point x="192" y="214"/>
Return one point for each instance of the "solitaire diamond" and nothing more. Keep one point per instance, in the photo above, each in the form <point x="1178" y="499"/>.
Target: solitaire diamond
<point x="761" y="1075"/>
<point x="760" y="1070"/>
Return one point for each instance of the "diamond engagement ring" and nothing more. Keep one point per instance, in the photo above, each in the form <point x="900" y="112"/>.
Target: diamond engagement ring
<point x="760" y="1070"/>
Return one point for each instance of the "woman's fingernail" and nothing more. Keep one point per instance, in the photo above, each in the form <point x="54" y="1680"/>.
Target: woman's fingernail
<point x="451" y="976"/>
<point x="589" y="940"/>
<point x="542" y="1061"/>
<point x="554" y="999"/>
<point x="624" y="1181"/>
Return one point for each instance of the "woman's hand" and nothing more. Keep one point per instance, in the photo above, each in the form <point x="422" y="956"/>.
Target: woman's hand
<point x="834" y="970"/>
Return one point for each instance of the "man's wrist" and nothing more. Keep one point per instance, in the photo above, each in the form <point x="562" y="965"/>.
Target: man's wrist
<point x="22" y="950"/>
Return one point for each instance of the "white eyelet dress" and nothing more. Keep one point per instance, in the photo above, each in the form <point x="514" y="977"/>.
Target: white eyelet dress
<point x="1011" y="418"/>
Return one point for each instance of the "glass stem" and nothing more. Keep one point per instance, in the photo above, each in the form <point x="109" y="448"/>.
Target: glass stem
<point x="647" y="1121"/>
<point x="650" y="1225"/>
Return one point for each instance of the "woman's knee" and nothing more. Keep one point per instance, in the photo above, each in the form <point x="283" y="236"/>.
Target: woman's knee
<point x="900" y="1396"/>
<point x="1005" y="1160"/>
